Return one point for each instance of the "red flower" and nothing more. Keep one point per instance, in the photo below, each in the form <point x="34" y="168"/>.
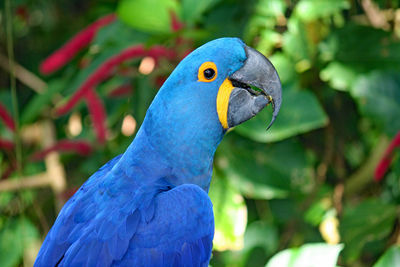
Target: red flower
<point x="64" y="54"/>
<point x="6" y="145"/>
<point x="6" y="118"/>
<point x="97" y="113"/>
<point x="109" y="66"/>
<point x="120" y="91"/>
<point x="176" y="25"/>
<point x="22" y="12"/>
<point x="385" y="162"/>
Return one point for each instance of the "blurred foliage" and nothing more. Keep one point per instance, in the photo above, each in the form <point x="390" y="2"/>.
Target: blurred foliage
<point x="301" y="194"/>
<point x="17" y="235"/>
<point x="309" y="255"/>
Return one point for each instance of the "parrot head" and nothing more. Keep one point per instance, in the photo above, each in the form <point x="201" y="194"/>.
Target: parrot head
<point x="233" y="79"/>
<point x="216" y="87"/>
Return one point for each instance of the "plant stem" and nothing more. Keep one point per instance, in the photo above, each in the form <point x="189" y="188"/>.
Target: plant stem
<point x="364" y="175"/>
<point x="10" y="51"/>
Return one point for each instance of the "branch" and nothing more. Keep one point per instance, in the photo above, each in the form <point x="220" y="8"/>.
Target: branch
<point x="365" y="174"/>
<point x="33" y="181"/>
<point x="54" y="176"/>
<point x="375" y="16"/>
<point x="53" y="165"/>
<point x="25" y="76"/>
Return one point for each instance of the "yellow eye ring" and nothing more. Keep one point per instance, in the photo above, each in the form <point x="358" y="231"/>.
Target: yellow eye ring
<point x="207" y="72"/>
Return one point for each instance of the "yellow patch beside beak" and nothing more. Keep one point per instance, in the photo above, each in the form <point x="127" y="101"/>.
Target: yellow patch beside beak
<point x="224" y="93"/>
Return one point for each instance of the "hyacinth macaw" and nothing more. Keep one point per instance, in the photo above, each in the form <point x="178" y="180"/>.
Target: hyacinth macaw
<point x="149" y="206"/>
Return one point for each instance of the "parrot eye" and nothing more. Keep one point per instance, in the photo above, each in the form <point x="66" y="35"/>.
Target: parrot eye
<point x="207" y="72"/>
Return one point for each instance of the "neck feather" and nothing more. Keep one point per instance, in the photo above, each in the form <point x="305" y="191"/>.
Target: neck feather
<point x="179" y="155"/>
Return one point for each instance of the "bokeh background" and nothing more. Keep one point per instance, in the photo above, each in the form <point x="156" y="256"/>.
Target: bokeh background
<point x="320" y="188"/>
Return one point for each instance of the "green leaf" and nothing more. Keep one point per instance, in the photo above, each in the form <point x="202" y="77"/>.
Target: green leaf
<point x="309" y="10"/>
<point x="83" y="74"/>
<point x="230" y="213"/>
<point x="15" y="236"/>
<point x="118" y="34"/>
<point x="5" y="198"/>
<point x="390" y="258"/>
<point x="193" y="9"/>
<point x="215" y="21"/>
<point x="379" y="50"/>
<point x="300" y="113"/>
<point x="268" y="40"/>
<point x="263" y="20"/>
<point x="40" y="101"/>
<point x="340" y="76"/>
<point x="108" y="44"/>
<point x="354" y="230"/>
<point x="308" y="255"/>
<point x="152" y="16"/>
<point x="298" y="45"/>
<point x="285" y="67"/>
<point x="6" y="99"/>
<point x="261" y="234"/>
<point x="378" y="97"/>
<point x="142" y="97"/>
<point x="315" y="214"/>
<point x="348" y="60"/>
<point x="264" y="171"/>
<point x="285" y="209"/>
<point x="391" y="190"/>
<point x="271" y="8"/>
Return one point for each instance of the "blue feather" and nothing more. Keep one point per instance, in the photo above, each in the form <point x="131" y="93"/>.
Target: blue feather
<point x="149" y="206"/>
<point x="132" y="223"/>
<point x="186" y="253"/>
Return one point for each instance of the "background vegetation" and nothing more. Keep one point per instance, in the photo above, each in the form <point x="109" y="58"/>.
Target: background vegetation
<point x="321" y="188"/>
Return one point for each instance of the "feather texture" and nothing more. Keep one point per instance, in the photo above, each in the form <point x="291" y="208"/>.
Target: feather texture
<point x="149" y="206"/>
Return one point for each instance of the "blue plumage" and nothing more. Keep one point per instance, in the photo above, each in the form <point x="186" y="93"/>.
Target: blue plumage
<point x="149" y="206"/>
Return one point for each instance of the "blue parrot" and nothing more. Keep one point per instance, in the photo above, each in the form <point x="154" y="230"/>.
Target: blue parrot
<point x="149" y="206"/>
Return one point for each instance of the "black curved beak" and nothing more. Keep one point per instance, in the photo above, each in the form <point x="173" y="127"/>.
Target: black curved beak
<point x="256" y="85"/>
